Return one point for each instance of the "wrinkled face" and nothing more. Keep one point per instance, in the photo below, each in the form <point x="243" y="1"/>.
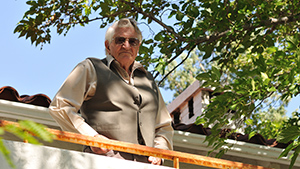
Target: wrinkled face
<point x="125" y="53"/>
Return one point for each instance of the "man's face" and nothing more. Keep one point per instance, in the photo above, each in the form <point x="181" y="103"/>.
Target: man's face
<point x="125" y="53"/>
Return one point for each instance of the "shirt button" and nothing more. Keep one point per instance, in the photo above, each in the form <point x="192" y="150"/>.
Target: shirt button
<point x="136" y="100"/>
<point x="140" y="123"/>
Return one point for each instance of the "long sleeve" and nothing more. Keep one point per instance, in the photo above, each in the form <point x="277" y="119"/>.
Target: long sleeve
<point x="79" y="86"/>
<point x="163" y="130"/>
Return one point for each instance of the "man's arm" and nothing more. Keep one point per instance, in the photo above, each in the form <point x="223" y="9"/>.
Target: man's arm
<point x="164" y="130"/>
<point x="79" y="86"/>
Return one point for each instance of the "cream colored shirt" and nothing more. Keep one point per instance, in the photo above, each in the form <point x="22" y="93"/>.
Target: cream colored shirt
<point x="75" y="91"/>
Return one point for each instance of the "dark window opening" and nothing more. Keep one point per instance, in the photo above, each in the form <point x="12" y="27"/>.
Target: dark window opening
<point x="191" y="108"/>
<point x="176" y="116"/>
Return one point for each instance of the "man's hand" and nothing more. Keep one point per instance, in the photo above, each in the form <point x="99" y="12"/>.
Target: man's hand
<point x="154" y="160"/>
<point x="99" y="150"/>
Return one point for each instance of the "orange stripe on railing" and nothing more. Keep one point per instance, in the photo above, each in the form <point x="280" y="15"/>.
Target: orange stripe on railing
<point x="175" y="156"/>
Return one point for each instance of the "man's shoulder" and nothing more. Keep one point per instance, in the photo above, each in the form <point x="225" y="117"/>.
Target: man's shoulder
<point x="97" y="60"/>
<point x="93" y="59"/>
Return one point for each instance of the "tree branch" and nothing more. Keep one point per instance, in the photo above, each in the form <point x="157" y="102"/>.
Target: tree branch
<point x="183" y="60"/>
<point x="139" y="10"/>
<point x="173" y="58"/>
<point x="96" y="18"/>
<point x="270" y="22"/>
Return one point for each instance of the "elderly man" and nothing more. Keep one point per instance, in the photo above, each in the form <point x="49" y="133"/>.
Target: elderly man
<point x="117" y="98"/>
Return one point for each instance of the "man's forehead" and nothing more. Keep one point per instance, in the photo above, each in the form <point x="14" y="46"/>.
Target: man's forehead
<point x="125" y="31"/>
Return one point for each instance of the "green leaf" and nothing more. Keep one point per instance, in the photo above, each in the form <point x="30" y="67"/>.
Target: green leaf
<point x="264" y="76"/>
<point x="271" y="89"/>
<point x="39" y="19"/>
<point x="24" y="135"/>
<point x="172" y="14"/>
<point x="38" y="130"/>
<point x="192" y="11"/>
<point x="288" y="134"/>
<point x="6" y="153"/>
<point x="253" y="133"/>
<point x="28" y="129"/>
<point x="221" y="153"/>
<point x="19" y="28"/>
<point x="294" y="157"/>
<point x="179" y="16"/>
<point x="293" y="42"/>
<point x="200" y="121"/>
<point x="31" y="2"/>
<point x="2" y="131"/>
<point x="249" y="122"/>
<point x="203" y="76"/>
<point x="271" y="50"/>
<point x="233" y="107"/>
<point x="22" y="33"/>
<point x="286" y="151"/>
<point x="174" y="6"/>
<point x="208" y="51"/>
<point x="253" y="84"/>
<point x="216" y="75"/>
<point x="158" y="37"/>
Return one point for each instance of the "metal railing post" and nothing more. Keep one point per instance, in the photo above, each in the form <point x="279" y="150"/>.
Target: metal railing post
<point x="176" y="163"/>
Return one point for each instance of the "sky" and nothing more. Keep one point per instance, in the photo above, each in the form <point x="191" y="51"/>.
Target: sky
<point x="31" y="70"/>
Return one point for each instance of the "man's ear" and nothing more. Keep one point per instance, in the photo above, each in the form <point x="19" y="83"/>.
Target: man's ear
<point x="107" y="45"/>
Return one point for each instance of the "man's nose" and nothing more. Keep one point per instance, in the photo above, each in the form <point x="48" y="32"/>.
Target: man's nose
<point x="126" y="44"/>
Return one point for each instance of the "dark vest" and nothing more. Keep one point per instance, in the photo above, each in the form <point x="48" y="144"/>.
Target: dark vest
<point x="119" y="110"/>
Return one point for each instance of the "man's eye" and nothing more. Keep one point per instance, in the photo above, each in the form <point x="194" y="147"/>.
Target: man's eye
<point x="120" y="40"/>
<point x="133" y="41"/>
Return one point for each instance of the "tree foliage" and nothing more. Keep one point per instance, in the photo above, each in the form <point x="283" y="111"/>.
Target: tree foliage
<point x="185" y="73"/>
<point x="26" y="130"/>
<point x="254" y="43"/>
<point x="267" y="121"/>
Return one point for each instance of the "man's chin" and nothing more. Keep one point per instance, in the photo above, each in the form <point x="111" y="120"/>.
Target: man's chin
<point x="127" y="57"/>
<point x="126" y="54"/>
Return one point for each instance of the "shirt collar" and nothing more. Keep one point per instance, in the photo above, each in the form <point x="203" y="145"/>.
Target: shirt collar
<point x="136" y="65"/>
